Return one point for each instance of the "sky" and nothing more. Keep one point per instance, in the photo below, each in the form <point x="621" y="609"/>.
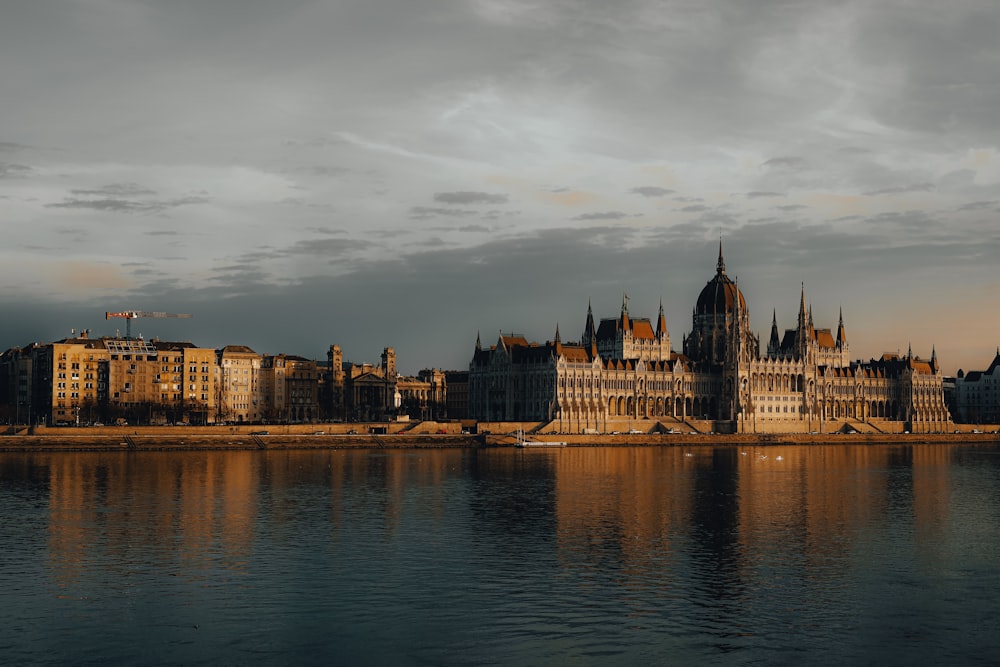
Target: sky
<point x="414" y="173"/>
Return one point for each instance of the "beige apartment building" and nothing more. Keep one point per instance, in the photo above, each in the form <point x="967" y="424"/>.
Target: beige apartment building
<point x="239" y="398"/>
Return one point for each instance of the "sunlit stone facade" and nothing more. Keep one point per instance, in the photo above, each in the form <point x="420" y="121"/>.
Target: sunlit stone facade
<point x="624" y="370"/>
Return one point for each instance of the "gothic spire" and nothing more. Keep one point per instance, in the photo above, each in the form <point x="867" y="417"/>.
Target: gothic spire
<point x="626" y="325"/>
<point x="558" y="338"/>
<point x="841" y="332"/>
<point x="720" y="268"/>
<point x="589" y="330"/>
<point x="479" y="344"/>
<point x="775" y="343"/>
<point x="661" y="321"/>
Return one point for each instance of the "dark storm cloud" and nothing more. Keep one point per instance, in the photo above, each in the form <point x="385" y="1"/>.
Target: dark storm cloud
<point x="606" y="215"/>
<point x="651" y="191"/>
<point x="902" y="189"/>
<point x="466" y="198"/>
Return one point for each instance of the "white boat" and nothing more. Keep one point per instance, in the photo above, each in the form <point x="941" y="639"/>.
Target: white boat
<point x="521" y="442"/>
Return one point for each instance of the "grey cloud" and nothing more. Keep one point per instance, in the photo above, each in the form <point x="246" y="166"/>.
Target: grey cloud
<point x="978" y="205"/>
<point x="607" y="215"/>
<point x="424" y="212"/>
<point x="494" y="215"/>
<point x="11" y="146"/>
<point x="332" y="248"/>
<point x="695" y="208"/>
<point x="474" y="229"/>
<point x="788" y="162"/>
<point x="917" y="187"/>
<point x="651" y="191"/>
<point x="466" y="198"/>
<point x="127" y="206"/>
<point x="9" y="170"/>
<point x="302" y="203"/>
<point x="116" y="190"/>
<point x="791" y="207"/>
<point x="758" y="194"/>
<point x="316" y="142"/>
<point x="326" y="230"/>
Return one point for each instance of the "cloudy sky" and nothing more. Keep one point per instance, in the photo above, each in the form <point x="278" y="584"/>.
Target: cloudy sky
<point x="412" y="172"/>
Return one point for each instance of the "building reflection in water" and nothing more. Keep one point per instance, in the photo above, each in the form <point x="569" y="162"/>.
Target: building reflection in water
<point x="713" y="517"/>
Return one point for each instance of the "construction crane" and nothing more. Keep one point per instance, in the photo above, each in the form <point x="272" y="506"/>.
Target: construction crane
<point x="129" y="315"/>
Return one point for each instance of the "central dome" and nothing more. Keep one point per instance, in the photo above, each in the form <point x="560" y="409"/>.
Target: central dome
<point x="720" y="294"/>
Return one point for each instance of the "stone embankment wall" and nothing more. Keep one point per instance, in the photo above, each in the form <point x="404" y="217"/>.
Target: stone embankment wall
<point x="418" y="435"/>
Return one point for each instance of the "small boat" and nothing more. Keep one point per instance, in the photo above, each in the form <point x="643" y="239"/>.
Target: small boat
<point x="521" y="442"/>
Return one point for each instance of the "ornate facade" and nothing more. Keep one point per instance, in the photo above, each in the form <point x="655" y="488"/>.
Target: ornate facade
<point x="977" y="394"/>
<point x="624" y="370"/>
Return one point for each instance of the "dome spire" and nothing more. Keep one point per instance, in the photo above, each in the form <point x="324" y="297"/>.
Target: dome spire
<point x="720" y="267"/>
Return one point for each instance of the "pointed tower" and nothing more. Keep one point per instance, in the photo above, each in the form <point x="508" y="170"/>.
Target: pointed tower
<point x="774" y="344"/>
<point x="589" y="338"/>
<point x="802" y="330"/>
<point x="626" y="324"/>
<point x="841" y="333"/>
<point x="589" y="330"/>
<point x="662" y="335"/>
<point x="661" y="322"/>
<point x="479" y="343"/>
<point x="558" y="338"/>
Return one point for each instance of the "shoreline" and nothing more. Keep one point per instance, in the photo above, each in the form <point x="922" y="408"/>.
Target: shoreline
<point x="140" y="439"/>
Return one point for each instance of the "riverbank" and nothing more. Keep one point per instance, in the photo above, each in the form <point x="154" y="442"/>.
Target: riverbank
<point x="169" y="439"/>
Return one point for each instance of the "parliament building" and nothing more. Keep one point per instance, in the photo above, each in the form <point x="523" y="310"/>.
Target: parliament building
<point x="623" y="374"/>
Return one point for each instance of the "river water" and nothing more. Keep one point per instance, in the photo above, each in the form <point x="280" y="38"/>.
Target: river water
<point x="584" y="556"/>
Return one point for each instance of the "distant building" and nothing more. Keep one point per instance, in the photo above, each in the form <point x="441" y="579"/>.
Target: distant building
<point x="83" y="380"/>
<point x="368" y="392"/>
<point x="977" y="394"/>
<point x="289" y="389"/>
<point x="239" y="391"/>
<point x="16" y="382"/>
<point x="623" y="370"/>
<point x="457" y="396"/>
